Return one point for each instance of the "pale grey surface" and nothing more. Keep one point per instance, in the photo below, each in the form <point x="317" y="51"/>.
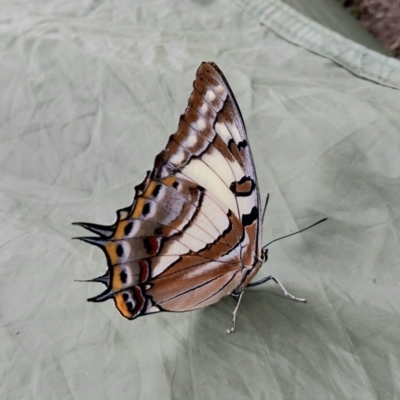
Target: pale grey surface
<point x="331" y="14"/>
<point x="90" y="92"/>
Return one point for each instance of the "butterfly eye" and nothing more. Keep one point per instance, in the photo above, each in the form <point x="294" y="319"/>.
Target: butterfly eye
<point x="264" y="256"/>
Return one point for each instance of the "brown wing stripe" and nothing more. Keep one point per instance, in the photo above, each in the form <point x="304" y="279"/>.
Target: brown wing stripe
<point x="244" y="187"/>
<point x="218" y="291"/>
<point x="193" y="288"/>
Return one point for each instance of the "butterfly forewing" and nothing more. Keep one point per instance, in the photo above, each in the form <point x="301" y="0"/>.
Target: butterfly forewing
<point x="192" y="234"/>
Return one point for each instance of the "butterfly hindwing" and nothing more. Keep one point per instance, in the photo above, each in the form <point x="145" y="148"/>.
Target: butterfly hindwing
<point x="192" y="234"/>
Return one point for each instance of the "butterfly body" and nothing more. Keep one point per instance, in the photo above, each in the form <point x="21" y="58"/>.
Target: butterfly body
<point x="193" y="232"/>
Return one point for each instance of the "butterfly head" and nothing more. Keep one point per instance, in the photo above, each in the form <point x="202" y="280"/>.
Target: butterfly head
<point x="264" y="256"/>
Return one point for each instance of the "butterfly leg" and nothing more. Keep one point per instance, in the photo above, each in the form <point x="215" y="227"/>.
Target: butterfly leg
<point x="233" y="324"/>
<point x="266" y="279"/>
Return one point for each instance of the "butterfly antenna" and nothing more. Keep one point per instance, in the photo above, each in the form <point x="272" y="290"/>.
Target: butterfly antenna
<point x="294" y="233"/>
<point x="265" y="207"/>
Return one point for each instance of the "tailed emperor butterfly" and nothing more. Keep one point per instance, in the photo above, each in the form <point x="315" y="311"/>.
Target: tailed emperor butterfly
<point x="193" y="232"/>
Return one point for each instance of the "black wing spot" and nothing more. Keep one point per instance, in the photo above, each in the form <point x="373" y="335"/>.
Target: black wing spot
<point x="242" y="144"/>
<point x="120" y="251"/>
<point x="248" y="219"/>
<point x="175" y="185"/>
<point x="128" y="228"/>
<point x="125" y="296"/>
<point x="156" y="190"/>
<point x="124" y="276"/>
<point x="158" y="231"/>
<point x="146" y="209"/>
<point x="130" y="306"/>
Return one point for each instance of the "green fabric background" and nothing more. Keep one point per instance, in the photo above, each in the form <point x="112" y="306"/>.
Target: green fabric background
<point x="90" y="91"/>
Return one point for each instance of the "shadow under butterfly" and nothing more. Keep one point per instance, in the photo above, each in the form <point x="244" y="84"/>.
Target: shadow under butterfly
<point x="193" y="232"/>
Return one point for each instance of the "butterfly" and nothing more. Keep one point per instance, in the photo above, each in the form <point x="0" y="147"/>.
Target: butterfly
<point x="193" y="232"/>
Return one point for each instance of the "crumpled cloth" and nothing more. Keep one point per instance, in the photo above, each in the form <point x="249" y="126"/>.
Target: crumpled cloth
<point x="90" y="92"/>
